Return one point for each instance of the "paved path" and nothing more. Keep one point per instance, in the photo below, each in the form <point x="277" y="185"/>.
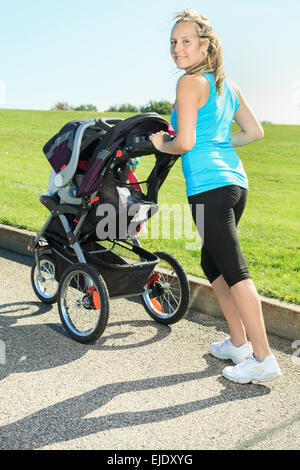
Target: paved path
<point x="140" y="386"/>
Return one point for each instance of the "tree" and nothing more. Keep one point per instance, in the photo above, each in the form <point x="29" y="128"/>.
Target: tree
<point x="111" y="109"/>
<point x="123" y="108"/>
<point x="159" y="107"/>
<point x="62" y="107"/>
<point x="86" y="107"/>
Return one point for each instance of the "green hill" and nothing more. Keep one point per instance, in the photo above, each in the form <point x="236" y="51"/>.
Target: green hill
<point x="269" y="229"/>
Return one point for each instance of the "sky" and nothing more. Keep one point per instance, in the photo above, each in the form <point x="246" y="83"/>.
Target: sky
<point x="106" y="53"/>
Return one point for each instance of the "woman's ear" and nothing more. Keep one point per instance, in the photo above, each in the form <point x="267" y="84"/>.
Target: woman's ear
<point x="204" y="46"/>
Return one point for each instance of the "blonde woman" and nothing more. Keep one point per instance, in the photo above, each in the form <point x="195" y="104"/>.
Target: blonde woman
<point x="206" y="105"/>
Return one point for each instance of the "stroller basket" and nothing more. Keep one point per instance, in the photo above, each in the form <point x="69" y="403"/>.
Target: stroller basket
<point x="122" y="278"/>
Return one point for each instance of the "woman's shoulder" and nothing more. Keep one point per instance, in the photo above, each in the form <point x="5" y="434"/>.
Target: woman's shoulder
<point x="198" y="82"/>
<point x="194" y="78"/>
<point x="193" y="89"/>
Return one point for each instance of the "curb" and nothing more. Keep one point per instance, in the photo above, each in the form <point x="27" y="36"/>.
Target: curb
<point x="281" y="318"/>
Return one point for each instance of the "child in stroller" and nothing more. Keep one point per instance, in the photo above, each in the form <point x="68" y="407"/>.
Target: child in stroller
<point x="92" y="175"/>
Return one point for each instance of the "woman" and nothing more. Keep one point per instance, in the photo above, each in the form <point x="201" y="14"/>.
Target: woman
<point x="206" y="104"/>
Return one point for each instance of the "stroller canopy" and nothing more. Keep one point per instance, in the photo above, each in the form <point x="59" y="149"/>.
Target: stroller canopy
<point x="113" y="139"/>
<point x="99" y="144"/>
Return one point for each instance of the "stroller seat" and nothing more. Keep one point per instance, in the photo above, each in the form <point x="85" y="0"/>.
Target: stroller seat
<point x="91" y="169"/>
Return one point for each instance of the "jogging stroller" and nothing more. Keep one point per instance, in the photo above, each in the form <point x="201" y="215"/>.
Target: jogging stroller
<point x="95" y="200"/>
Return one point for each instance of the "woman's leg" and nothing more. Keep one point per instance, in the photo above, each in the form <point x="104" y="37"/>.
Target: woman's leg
<point x="248" y="304"/>
<point x="243" y="293"/>
<point x="223" y="209"/>
<point x="246" y="299"/>
<point x="241" y="307"/>
<point x="230" y="311"/>
<point x="225" y="299"/>
<point x="221" y="288"/>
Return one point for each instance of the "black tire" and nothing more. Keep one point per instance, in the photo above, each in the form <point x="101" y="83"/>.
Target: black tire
<point x="171" y="293"/>
<point x="77" y="305"/>
<point x="45" y="288"/>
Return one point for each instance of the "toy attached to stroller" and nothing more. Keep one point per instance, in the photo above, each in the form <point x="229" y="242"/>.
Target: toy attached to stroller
<point x="94" y="196"/>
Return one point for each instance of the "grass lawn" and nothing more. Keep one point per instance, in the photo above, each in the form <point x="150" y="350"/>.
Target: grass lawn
<point x="269" y="229"/>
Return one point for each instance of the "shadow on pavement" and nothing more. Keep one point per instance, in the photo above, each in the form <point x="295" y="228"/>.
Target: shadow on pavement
<point x="43" y="346"/>
<point x="40" y="346"/>
<point x="66" y="420"/>
<point x="220" y="324"/>
<point x="27" y="260"/>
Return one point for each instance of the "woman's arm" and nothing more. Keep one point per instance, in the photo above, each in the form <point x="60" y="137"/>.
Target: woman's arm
<point x="189" y="91"/>
<point x="251" y="129"/>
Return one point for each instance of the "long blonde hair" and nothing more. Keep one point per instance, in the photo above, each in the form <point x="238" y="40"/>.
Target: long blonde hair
<point x="214" y="61"/>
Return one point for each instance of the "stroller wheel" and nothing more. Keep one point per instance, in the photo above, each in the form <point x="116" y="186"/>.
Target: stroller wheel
<point x="83" y="302"/>
<point x="169" y="298"/>
<point x="44" y="284"/>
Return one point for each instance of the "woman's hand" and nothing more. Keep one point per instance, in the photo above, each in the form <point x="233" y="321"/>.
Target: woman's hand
<point x="159" y="139"/>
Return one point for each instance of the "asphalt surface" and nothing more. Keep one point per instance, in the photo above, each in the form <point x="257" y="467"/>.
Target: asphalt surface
<point x="142" y="385"/>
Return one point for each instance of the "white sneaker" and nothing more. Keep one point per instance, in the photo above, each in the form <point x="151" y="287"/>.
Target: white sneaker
<point x="251" y="369"/>
<point x="226" y="350"/>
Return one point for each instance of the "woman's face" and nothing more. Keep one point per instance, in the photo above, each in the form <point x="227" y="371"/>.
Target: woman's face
<point x="185" y="47"/>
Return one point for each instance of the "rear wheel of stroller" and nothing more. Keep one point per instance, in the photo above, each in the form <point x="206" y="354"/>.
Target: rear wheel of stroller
<point x="44" y="283"/>
<point x="169" y="299"/>
<point x="83" y="302"/>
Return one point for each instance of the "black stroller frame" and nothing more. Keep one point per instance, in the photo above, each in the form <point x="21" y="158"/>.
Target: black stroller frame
<point x="72" y="267"/>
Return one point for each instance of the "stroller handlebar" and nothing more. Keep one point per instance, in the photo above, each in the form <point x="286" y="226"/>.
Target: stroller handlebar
<point x="144" y="146"/>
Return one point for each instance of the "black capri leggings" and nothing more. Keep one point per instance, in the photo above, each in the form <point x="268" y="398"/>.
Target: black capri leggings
<point x="221" y="252"/>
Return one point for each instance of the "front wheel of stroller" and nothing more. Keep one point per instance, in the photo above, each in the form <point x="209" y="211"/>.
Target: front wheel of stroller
<point x="44" y="283"/>
<point x="83" y="303"/>
<point x="170" y="292"/>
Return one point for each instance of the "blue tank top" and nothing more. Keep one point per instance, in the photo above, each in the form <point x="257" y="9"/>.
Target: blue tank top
<point x="213" y="162"/>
